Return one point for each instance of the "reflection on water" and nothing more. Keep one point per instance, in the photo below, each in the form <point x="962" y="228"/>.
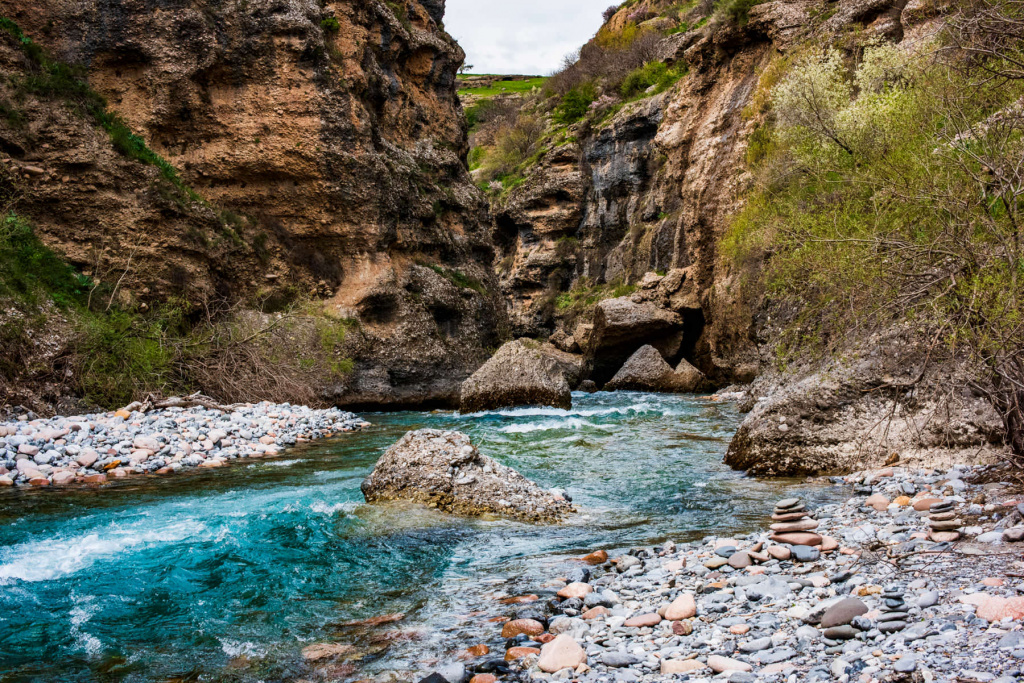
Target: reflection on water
<point x="229" y="574"/>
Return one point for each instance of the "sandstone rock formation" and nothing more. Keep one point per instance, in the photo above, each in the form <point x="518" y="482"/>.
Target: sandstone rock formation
<point x="445" y="470"/>
<point x="522" y="372"/>
<point x="325" y="145"/>
<point x="646" y="370"/>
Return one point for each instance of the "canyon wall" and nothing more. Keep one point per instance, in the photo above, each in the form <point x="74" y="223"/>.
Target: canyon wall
<point x="322" y="148"/>
<point x="645" y="197"/>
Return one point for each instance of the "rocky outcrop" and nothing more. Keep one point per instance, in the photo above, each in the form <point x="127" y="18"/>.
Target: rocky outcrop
<point x="873" y="407"/>
<point x="446" y="471"/>
<point x="523" y="372"/>
<point x="323" y="148"/>
<point x="646" y="370"/>
<point x="535" y="232"/>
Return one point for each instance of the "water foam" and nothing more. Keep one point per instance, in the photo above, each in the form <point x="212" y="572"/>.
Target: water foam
<point x="636" y="408"/>
<point x="571" y="423"/>
<point x="321" y="507"/>
<point x="56" y="558"/>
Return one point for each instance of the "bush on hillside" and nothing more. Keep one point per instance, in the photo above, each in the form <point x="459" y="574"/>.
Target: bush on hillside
<point x="652" y="74"/>
<point x="575" y="104"/>
<point x="898" y="198"/>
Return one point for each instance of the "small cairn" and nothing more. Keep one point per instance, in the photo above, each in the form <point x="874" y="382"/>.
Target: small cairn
<point x="894" y="610"/>
<point x="943" y="523"/>
<point x="794" y="526"/>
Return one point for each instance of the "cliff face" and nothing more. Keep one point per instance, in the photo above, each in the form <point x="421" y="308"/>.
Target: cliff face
<point x="329" y="144"/>
<point x="654" y="187"/>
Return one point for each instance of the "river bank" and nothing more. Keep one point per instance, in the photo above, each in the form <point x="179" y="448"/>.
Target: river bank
<point x="90" y="449"/>
<point x="889" y="595"/>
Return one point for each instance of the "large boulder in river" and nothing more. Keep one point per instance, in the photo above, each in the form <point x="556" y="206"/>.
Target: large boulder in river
<point x="445" y="470"/>
<point x="647" y="370"/>
<point x="621" y="326"/>
<point x="522" y="372"/>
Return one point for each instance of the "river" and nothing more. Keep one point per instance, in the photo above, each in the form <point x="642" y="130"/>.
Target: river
<point x="226" y="575"/>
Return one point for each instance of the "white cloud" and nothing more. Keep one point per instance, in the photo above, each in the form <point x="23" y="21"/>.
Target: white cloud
<point x="521" y="36"/>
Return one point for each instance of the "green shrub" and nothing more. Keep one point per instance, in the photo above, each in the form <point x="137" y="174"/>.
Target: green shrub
<point x="330" y="25"/>
<point x="575" y="104"/>
<point x="30" y="271"/>
<point x="738" y="11"/>
<point x="649" y="75"/>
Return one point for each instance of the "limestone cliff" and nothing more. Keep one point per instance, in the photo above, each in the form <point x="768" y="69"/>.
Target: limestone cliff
<point x="644" y="196"/>
<point x="325" y="148"/>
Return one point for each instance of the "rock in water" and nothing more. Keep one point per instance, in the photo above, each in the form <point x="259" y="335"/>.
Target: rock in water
<point x="522" y="372"/>
<point x="445" y="470"/>
<point x="646" y="370"/>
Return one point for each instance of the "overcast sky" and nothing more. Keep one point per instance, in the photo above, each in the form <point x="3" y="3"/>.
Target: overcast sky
<point x="521" y="36"/>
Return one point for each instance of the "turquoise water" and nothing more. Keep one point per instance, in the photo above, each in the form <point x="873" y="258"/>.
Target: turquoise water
<point x="226" y="575"/>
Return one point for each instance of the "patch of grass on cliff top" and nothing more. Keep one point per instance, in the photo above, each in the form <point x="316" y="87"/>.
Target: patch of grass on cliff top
<point x="505" y="88"/>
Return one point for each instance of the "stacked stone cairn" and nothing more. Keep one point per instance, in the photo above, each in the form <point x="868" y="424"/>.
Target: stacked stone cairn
<point x="794" y="526"/>
<point x="943" y="522"/>
<point x="894" y="610"/>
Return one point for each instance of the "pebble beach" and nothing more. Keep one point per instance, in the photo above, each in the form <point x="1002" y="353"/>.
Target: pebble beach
<point x="874" y="589"/>
<point x="92" y="449"/>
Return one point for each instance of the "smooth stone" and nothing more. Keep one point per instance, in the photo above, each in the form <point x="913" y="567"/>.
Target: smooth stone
<point x="575" y="590"/>
<point x="596" y="613"/>
<point x="617" y="660"/>
<point x="802" y="553"/>
<point x="892" y="626"/>
<point x="841" y="632"/>
<point x="683" y="607"/>
<point x="514" y="653"/>
<point x="529" y="627"/>
<point x="925" y="504"/>
<point x="643" y="620"/>
<point x="561" y="653"/>
<point x="740" y="560"/>
<point x="779" y="552"/>
<point x="797" y="538"/>
<point x="788" y="517"/>
<point x="756" y="645"/>
<point x="681" y="666"/>
<point x="721" y="664"/>
<point x="716" y="563"/>
<point x="928" y="599"/>
<point x="1014" y="535"/>
<point x="877" y="501"/>
<point x="803" y="525"/>
<point x="596" y="557"/>
<point x="682" y="628"/>
<point x="843" y="612"/>
<point x="905" y="664"/>
<point x="946" y="526"/>
<point x="787" y="503"/>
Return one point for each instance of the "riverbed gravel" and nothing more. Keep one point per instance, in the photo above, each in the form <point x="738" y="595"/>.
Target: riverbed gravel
<point x="877" y="599"/>
<point x="92" y="449"/>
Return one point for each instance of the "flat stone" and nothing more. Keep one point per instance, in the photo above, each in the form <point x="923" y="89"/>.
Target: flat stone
<point x="575" y="590"/>
<point x="787" y="503"/>
<point x="944" y="536"/>
<point x="530" y="627"/>
<point x="716" y="563"/>
<point x="740" y="560"/>
<point x="788" y="517"/>
<point x="843" y="612"/>
<point x="845" y="632"/>
<point x="925" y="504"/>
<point x="803" y="553"/>
<point x="596" y="613"/>
<point x="721" y="664"/>
<point x="946" y="526"/>
<point x="878" y="502"/>
<point x="779" y="552"/>
<point x="1014" y="535"/>
<point x="596" y="557"/>
<point x="797" y="538"/>
<point x="802" y="525"/>
<point x="618" y="660"/>
<point x="892" y="626"/>
<point x="561" y="653"/>
<point x="643" y="620"/>
<point x="514" y="653"/>
<point x="681" y="666"/>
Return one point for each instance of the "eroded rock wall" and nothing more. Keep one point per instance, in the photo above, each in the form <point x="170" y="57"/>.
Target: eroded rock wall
<point x="328" y="134"/>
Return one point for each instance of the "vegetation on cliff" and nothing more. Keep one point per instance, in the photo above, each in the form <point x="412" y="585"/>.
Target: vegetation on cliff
<point x="890" y="189"/>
